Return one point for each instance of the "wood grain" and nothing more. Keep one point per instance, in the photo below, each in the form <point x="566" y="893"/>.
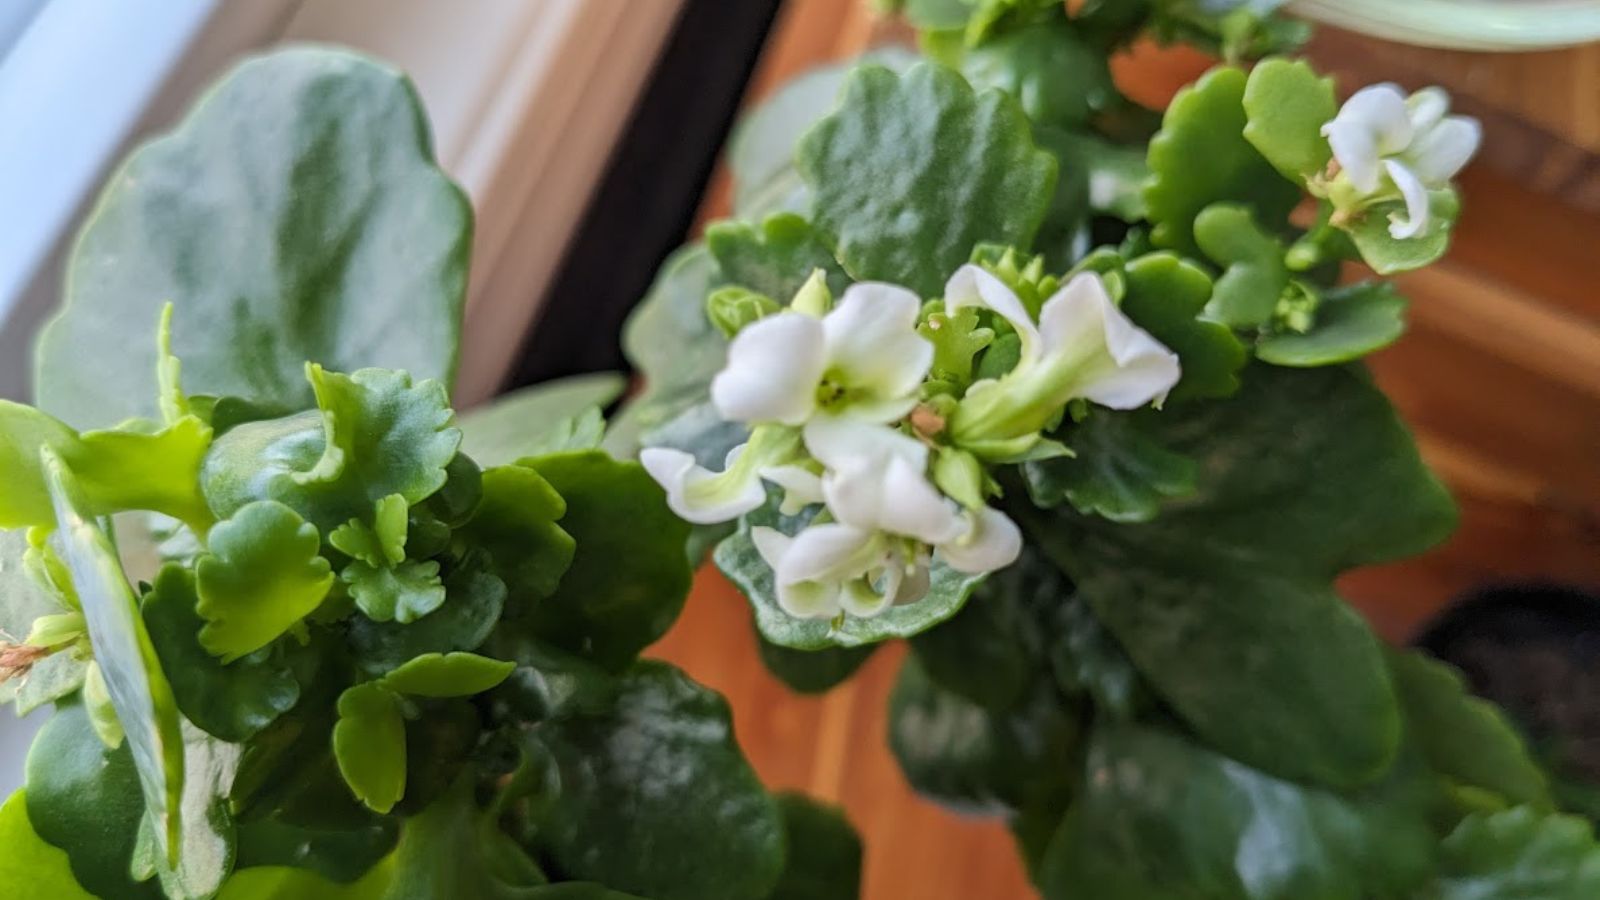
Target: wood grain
<point x="1499" y="375"/>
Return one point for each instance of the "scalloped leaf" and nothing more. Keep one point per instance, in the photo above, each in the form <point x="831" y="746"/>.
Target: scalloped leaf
<point x="1389" y="255"/>
<point x="474" y="600"/>
<point x="1254" y="276"/>
<point x="912" y="171"/>
<point x="774" y="258"/>
<point x="1165" y="296"/>
<point x="1059" y="79"/>
<point x="516" y="526"/>
<point x="404" y="593"/>
<point x="383" y="542"/>
<point x="1117" y="469"/>
<point x="1351" y="321"/>
<point x="1287" y="103"/>
<point x="297" y="213"/>
<point x="262" y="573"/>
<point x="447" y="675"/>
<point x="369" y="744"/>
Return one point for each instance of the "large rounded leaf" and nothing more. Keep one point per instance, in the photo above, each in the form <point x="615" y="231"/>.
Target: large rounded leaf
<point x="295" y="215"/>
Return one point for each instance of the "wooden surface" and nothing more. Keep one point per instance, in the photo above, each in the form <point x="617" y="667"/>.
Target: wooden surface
<point x="1499" y="375"/>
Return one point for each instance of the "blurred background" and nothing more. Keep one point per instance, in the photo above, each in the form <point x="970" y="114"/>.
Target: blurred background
<point x="588" y="132"/>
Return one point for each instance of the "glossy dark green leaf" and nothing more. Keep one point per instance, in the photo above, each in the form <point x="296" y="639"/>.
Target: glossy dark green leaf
<point x="1389" y="255"/>
<point x="812" y="671"/>
<point x="1162" y="816"/>
<point x="87" y="800"/>
<point x="549" y="683"/>
<point x="339" y="854"/>
<point x="369" y="743"/>
<point x="654" y="797"/>
<point x="516" y="526"/>
<point x="1254" y="276"/>
<point x="1165" y="296"/>
<point x="1059" y="79"/>
<point x="474" y="600"/>
<point x="626" y="585"/>
<point x="980" y="761"/>
<point x="1119" y="471"/>
<point x="1468" y="740"/>
<point x="914" y="170"/>
<point x="1201" y="157"/>
<point x="1286" y="501"/>
<point x="991" y="651"/>
<point x="1351" y="322"/>
<point x="296" y="214"/>
<point x="233" y="702"/>
<point x="1287" y="104"/>
<point x="774" y="258"/>
<point x="824" y="852"/>
<point x="22" y="602"/>
<point x="522" y="422"/>
<point x="29" y="867"/>
<point x="738" y="559"/>
<point x="1519" y="854"/>
<point x="261" y="574"/>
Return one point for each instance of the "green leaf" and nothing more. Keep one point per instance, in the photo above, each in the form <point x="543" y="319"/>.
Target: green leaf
<point x="812" y="671"/>
<point x="1519" y="854"/>
<point x="1161" y="816"/>
<point x="23" y="431"/>
<point x="979" y="761"/>
<point x="369" y="743"/>
<point x="207" y="844"/>
<point x="1389" y="255"/>
<point x="295" y="214"/>
<point x="550" y="683"/>
<point x="626" y="585"/>
<point x="122" y="649"/>
<point x="1118" y="470"/>
<point x="1351" y="322"/>
<point x="1165" y="296"/>
<point x="474" y="600"/>
<point x="86" y="800"/>
<point x="261" y="575"/>
<point x="402" y="594"/>
<point x="448" y="675"/>
<point x="912" y="171"/>
<point x="824" y="852"/>
<point x="693" y="823"/>
<point x="774" y="258"/>
<point x="1468" y="740"/>
<point x="536" y="419"/>
<point x="1254" y="276"/>
<point x="233" y="702"/>
<point x="516" y="526"/>
<point x="1225" y="602"/>
<point x="1200" y="157"/>
<point x="286" y="883"/>
<point x="30" y="867"/>
<point x="1059" y="80"/>
<point x="738" y="559"/>
<point x="990" y="652"/>
<point x="382" y="543"/>
<point x="1287" y="104"/>
<point x="22" y="603"/>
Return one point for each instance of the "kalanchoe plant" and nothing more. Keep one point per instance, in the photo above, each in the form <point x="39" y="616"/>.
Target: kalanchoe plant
<point x="299" y="641"/>
<point x="1069" y="394"/>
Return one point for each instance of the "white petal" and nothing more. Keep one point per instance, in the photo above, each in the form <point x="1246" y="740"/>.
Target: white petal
<point x="993" y="542"/>
<point x="894" y="497"/>
<point x="972" y="285"/>
<point x="699" y="495"/>
<point x="861" y="599"/>
<point x="1373" y="123"/>
<point x="833" y="552"/>
<point x="801" y="486"/>
<point x="872" y="341"/>
<point x="1440" y="153"/>
<point x="1415" y="221"/>
<point x="772" y="544"/>
<point x="840" y="441"/>
<point x="1123" y="366"/>
<point x="810" y="599"/>
<point x="773" y="370"/>
<point x="1426" y="108"/>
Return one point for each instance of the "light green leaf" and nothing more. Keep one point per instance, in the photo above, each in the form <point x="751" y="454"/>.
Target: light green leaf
<point x="626" y="586"/>
<point x="1520" y="854"/>
<point x="1351" y="321"/>
<point x="912" y="171"/>
<point x="22" y="603"/>
<point x="1287" y="104"/>
<point x="402" y="594"/>
<point x="296" y="214"/>
<point x="694" y="823"/>
<point x="1165" y="296"/>
<point x="262" y="573"/>
<point x="1286" y="500"/>
<point x="1200" y="157"/>
<point x="23" y="431"/>
<point x="447" y="675"/>
<point x="369" y="743"/>
<point x="231" y="701"/>
<point x="383" y="542"/>
<point x="516" y="526"/>
<point x="30" y="867"/>
<point x="1389" y="255"/>
<point x="474" y="600"/>
<point x="774" y="258"/>
<point x="286" y="883"/>
<point x="1118" y="471"/>
<point x="102" y="715"/>
<point x="530" y="420"/>
<point x="1254" y="276"/>
<point x="823" y="861"/>
<point x="122" y="649"/>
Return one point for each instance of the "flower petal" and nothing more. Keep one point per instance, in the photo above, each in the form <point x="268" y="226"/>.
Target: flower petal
<point x="1441" y="152"/>
<point x="992" y="542"/>
<point x="860" y="598"/>
<point x="811" y="599"/>
<point x="801" y="486"/>
<point x="832" y="552"/>
<point x="699" y="495"/>
<point x="773" y="370"/>
<point x="839" y="441"/>
<point x="894" y="497"/>
<point x="1415" y="221"/>
<point x="1372" y="124"/>
<point x="872" y="341"/>
<point x="973" y="285"/>
<point x="1120" y="364"/>
<point x="1426" y="108"/>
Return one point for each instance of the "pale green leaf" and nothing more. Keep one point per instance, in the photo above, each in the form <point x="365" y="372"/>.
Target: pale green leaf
<point x="1287" y="104"/>
<point x="447" y="675"/>
<point x="261" y="574"/>
<point x="369" y="743"/>
<point x="404" y="593"/>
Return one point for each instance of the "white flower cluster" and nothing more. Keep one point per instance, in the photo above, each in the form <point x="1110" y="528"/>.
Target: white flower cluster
<point x="830" y="395"/>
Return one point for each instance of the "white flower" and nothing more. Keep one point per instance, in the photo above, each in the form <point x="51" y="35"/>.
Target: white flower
<point x="990" y="541"/>
<point x="834" y="568"/>
<point x="1083" y="346"/>
<point x="1380" y="131"/>
<point x="703" y="497"/>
